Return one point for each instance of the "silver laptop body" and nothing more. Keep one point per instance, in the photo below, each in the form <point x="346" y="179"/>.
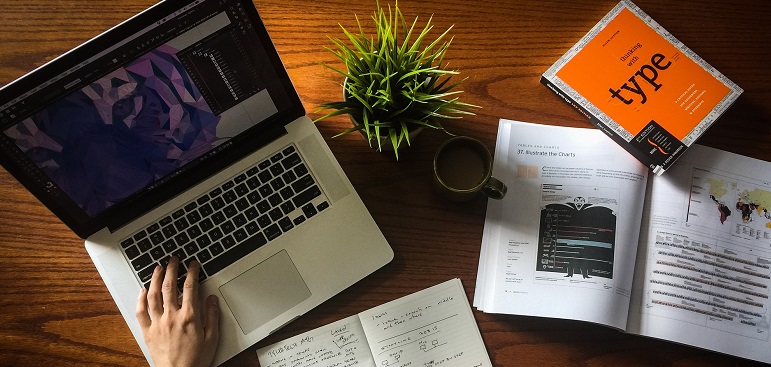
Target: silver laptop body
<point x="189" y="132"/>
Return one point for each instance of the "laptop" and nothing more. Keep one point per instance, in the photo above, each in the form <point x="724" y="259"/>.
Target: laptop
<point x="178" y="132"/>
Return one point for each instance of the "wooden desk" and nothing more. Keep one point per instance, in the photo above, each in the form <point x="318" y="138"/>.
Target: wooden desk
<point x="55" y="310"/>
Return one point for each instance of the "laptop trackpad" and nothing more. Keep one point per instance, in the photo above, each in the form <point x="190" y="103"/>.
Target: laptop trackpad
<point x="264" y="291"/>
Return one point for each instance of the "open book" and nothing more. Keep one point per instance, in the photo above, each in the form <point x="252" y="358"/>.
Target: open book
<point x="589" y="235"/>
<point x="433" y="327"/>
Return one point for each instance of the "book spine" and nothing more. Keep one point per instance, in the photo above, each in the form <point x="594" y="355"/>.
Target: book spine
<point x="645" y="159"/>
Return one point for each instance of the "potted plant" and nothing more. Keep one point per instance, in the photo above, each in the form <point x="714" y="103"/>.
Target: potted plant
<point x="393" y="85"/>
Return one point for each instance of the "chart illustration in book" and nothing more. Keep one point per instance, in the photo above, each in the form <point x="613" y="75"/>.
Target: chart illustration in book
<point x="730" y="206"/>
<point x="716" y="271"/>
<point x="709" y="282"/>
<point x="577" y="231"/>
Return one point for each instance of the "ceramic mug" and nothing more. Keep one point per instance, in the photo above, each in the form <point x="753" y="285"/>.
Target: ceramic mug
<point x="463" y="168"/>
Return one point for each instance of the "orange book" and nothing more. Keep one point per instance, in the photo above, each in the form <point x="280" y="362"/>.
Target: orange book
<point x="641" y="86"/>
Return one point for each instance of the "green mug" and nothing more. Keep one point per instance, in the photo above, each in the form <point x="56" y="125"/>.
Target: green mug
<point x="463" y="168"/>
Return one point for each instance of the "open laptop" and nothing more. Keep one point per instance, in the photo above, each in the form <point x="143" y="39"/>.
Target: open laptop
<point x="178" y="132"/>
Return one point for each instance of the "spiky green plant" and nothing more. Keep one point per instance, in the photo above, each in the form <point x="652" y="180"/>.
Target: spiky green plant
<point x="393" y="84"/>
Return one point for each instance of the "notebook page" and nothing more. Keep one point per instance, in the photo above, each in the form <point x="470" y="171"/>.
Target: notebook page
<point x="340" y="344"/>
<point x="433" y="327"/>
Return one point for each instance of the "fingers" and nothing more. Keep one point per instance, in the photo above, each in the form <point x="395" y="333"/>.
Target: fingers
<point x="162" y="295"/>
<point x="190" y="288"/>
<point x="211" y="328"/>
<point x="154" y="295"/>
<point x="169" y="287"/>
<point x="142" y="316"/>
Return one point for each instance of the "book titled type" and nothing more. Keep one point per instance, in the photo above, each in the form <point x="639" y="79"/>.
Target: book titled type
<point x="641" y="86"/>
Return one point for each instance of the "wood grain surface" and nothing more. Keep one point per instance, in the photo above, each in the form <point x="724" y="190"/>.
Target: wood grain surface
<point x="56" y="311"/>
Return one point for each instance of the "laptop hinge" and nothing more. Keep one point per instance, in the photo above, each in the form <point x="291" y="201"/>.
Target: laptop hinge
<point x="232" y="151"/>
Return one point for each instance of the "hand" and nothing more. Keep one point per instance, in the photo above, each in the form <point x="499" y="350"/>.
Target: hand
<point x="178" y="333"/>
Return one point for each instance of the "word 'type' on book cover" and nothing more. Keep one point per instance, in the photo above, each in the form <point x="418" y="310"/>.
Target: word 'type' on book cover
<point x="641" y="86"/>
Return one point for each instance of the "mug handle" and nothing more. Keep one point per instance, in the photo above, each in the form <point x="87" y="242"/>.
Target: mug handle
<point x="494" y="189"/>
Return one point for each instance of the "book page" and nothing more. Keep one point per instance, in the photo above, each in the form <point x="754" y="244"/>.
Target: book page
<point x="430" y="328"/>
<point x="562" y="243"/>
<point x="339" y="344"/>
<point x="704" y="260"/>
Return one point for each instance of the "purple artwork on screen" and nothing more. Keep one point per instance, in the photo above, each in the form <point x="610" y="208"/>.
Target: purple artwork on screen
<point x="122" y="132"/>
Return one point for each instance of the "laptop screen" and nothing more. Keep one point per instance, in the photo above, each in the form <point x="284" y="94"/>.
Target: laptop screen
<point x="124" y="120"/>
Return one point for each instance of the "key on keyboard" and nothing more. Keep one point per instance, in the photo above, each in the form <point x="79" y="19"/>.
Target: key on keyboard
<point x="230" y="221"/>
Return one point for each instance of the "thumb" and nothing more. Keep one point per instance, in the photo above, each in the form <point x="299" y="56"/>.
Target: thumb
<point x="211" y="328"/>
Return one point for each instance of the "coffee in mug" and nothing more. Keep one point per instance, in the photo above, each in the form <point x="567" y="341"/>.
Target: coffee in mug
<point x="463" y="168"/>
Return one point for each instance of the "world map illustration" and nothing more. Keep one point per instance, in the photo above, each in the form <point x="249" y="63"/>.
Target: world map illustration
<point x="751" y="204"/>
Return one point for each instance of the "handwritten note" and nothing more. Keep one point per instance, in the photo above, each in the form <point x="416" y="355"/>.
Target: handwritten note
<point x="339" y="344"/>
<point x="434" y="327"/>
<point x="430" y="328"/>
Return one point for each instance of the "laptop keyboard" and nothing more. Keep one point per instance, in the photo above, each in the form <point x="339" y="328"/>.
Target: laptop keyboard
<point x="232" y="220"/>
